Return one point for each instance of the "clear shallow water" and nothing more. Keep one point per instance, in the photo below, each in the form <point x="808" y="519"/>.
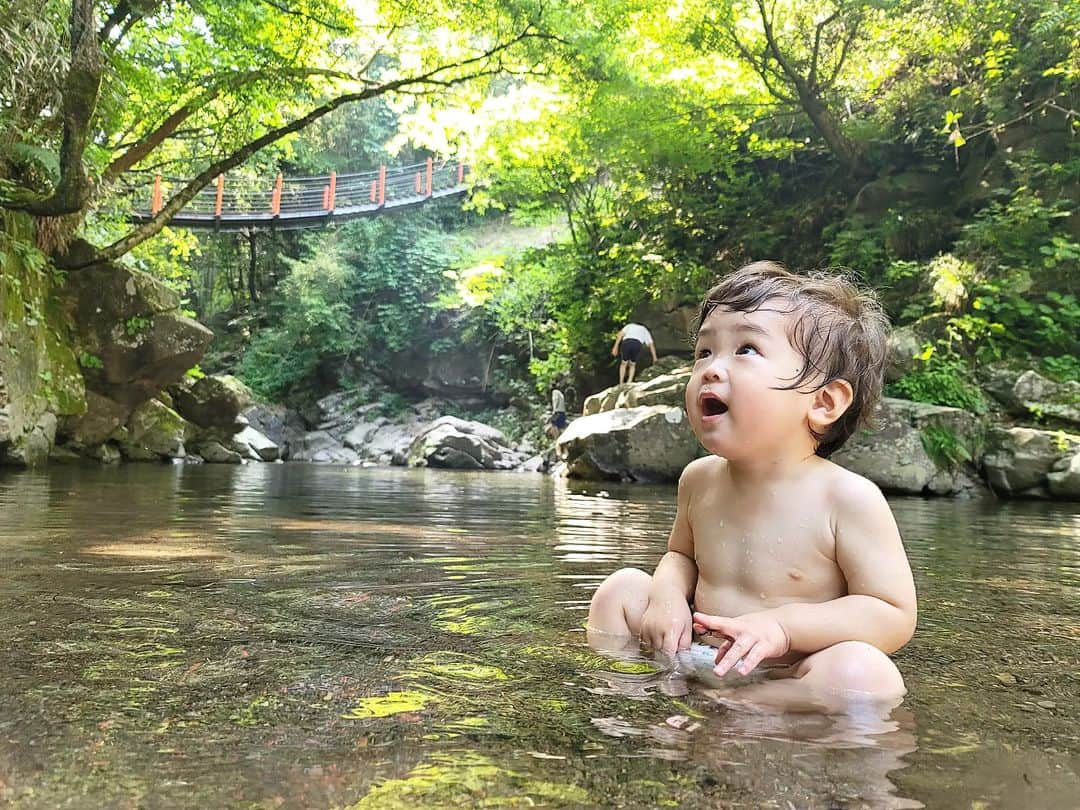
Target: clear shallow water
<point x="302" y="636"/>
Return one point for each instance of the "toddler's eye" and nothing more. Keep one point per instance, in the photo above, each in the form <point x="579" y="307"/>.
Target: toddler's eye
<point x="746" y="349"/>
<point x="701" y="353"/>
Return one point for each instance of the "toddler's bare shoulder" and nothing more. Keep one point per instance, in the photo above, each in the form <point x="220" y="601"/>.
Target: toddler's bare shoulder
<point x="848" y="491"/>
<point x="701" y="470"/>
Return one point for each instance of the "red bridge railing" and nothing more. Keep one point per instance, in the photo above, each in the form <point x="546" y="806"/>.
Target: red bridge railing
<point x="305" y="202"/>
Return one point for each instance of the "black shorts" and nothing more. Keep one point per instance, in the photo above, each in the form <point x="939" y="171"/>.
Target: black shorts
<point x="558" y="419"/>
<point x="630" y="349"/>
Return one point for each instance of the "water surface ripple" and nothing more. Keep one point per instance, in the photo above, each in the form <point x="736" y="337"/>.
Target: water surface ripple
<point x="328" y="637"/>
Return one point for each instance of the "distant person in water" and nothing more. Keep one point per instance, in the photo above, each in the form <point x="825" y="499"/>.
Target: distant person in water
<point x="557" y="422"/>
<point x="784" y="571"/>
<point x="628" y="345"/>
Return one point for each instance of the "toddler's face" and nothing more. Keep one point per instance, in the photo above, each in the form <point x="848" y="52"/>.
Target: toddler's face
<point x="735" y="398"/>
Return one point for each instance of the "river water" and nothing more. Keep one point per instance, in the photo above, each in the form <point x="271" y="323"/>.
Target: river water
<point x="330" y="637"/>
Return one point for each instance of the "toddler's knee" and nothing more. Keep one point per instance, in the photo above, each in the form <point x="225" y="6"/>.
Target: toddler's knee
<point x="855" y="666"/>
<point x="623" y="583"/>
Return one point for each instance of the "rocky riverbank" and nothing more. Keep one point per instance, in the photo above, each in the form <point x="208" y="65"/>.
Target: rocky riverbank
<point x="640" y="433"/>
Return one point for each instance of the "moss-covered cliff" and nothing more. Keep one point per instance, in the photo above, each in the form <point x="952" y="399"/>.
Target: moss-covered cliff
<point x="40" y="379"/>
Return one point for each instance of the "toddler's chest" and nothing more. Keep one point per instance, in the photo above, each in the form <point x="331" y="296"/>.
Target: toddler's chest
<point x="773" y="553"/>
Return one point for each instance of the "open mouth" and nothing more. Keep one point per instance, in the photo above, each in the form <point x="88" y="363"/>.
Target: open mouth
<point x="712" y="405"/>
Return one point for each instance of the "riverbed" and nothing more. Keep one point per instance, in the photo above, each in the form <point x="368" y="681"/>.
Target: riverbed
<point x="331" y="637"/>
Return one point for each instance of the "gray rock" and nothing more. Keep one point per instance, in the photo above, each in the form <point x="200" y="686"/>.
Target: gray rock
<point x="1018" y="460"/>
<point x="155" y="431"/>
<point x="1064" y="480"/>
<point x="102" y="417"/>
<point x="460" y="444"/>
<point x="214" y="401"/>
<point x="132" y="323"/>
<point x="216" y="453"/>
<point x="254" y="445"/>
<point x="902" y="347"/>
<point x="650" y="443"/>
<point x="894" y="453"/>
<point x="535" y="464"/>
<point x="315" y="443"/>
<point x="362" y="433"/>
<point x="277" y="423"/>
<point x="1045" y="398"/>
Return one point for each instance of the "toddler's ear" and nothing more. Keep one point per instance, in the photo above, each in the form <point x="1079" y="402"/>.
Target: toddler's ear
<point x="829" y="404"/>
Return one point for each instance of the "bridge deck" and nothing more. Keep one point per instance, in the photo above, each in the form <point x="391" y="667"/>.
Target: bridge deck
<point x="293" y="220"/>
<point x="244" y="203"/>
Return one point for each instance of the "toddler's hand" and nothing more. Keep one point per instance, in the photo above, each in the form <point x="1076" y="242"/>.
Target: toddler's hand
<point x="666" y="625"/>
<point x="752" y="637"/>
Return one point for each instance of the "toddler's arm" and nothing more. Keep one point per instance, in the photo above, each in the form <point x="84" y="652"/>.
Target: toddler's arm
<point x="666" y="624"/>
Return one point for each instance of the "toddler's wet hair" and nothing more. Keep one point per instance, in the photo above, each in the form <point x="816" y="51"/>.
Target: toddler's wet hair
<point x="838" y="328"/>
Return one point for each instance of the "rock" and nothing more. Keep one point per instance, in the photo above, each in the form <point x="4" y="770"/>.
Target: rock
<point x="602" y="401"/>
<point x="140" y="347"/>
<point x="668" y="389"/>
<point x="214" y="401"/>
<point x="32" y="448"/>
<point x="902" y="346"/>
<point x="251" y="443"/>
<point x="105" y="453"/>
<point x="358" y="437"/>
<point x="651" y="443"/>
<point x="1064" y="480"/>
<point x="315" y="443"/>
<point x="667" y="364"/>
<point x="1045" y="398"/>
<point x="671" y="323"/>
<point x="535" y="464"/>
<point x="894" y="454"/>
<point x="661" y="389"/>
<point x="1018" y="460"/>
<point x="277" y="423"/>
<point x="460" y="444"/>
<point x="102" y="417"/>
<point x="155" y="431"/>
<point x="216" y="453"/>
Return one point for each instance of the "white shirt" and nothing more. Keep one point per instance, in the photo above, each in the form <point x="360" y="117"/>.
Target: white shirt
<point x="637" y="332"/>
<point x="558" y="402"/>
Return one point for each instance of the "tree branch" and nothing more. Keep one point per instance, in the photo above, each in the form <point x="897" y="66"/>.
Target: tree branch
<point x="818" y="30"/>
<point x="150" y="228"/>
<point x="149" y="142"/>
<point x="294" y="13"/>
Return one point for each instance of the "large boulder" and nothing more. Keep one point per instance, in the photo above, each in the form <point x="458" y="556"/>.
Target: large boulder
<point x="1019" y="461"/>
<point x="1063" y="480"/>
<point x="670" y="322"/>
<point x="131" y="325"/>
<point x="213" y="401"/>
<point x="461" y="444"/>
<point x="1047" y="399"/>
<point x="663" y="389"/>
<point x="252" y="444"/>
<point x="652" y="443"/>
<point x="154" y="432"/>
<point x="101" y="419"/>
<point x="915" y="448"/>
<point x="323" y="447"/>
<point x="39" y="374"/>
<point x="277" y="423"/>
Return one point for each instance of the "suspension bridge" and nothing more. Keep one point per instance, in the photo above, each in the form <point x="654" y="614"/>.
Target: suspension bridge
<point x="233" y="204"/>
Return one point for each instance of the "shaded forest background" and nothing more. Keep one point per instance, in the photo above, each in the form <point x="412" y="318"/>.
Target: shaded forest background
<point x="625" y="154"/>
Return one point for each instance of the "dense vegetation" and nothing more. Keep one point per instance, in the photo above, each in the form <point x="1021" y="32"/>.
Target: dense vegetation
<point x="930" y="148"/>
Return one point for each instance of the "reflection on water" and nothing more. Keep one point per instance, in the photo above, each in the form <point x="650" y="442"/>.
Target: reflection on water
<point x="300" y="636"/>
